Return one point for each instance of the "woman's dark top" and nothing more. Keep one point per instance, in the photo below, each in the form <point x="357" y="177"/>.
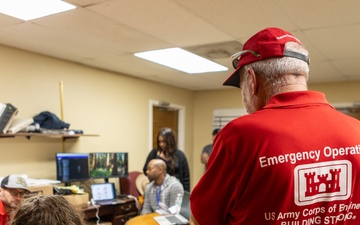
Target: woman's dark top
<point x="181" y="167"/>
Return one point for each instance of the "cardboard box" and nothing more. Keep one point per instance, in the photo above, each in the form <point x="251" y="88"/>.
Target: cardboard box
<point x="79" y="200"/>
<point x="40" y="190"/>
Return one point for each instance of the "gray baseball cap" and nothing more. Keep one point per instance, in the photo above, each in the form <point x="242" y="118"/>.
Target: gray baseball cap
<point x="14" y="181"/>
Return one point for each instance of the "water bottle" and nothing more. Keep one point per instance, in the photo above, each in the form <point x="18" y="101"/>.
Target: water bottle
<point x="178" y="203"/>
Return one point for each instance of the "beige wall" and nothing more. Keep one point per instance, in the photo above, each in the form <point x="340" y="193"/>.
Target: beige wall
<point x="339" y="92"/>
<point x="114" y="106"/>
<point x="205" y="103"/>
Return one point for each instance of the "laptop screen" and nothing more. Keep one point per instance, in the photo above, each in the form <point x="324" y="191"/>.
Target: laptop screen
<point x="105" y="191"/>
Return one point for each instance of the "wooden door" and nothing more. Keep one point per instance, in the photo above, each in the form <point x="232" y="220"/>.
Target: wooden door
<point x="164" y="117"/>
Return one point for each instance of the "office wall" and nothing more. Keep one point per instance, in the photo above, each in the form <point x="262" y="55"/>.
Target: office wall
<point x="98" y="102"/>
<point x="112" y="105"/>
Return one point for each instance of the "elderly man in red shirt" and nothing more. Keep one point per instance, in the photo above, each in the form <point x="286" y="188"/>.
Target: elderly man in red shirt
<point x="293" y="160"/>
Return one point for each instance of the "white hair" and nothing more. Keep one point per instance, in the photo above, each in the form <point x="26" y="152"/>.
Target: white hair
<point x="271" y="70"/>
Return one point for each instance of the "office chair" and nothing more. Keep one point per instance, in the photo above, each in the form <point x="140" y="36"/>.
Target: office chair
<point x="128" y="184"/>
<point x="185" y="206"/>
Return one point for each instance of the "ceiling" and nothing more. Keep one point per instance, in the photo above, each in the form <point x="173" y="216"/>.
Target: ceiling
<point x="105" y="33"/>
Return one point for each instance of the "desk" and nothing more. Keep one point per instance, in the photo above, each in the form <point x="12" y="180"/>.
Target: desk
<point x="147" y="219"/>
<point x="116" y="214"/>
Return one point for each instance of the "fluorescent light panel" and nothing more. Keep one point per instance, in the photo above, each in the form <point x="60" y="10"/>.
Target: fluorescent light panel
<point x="33" y="9"/>
<point x="182" y="60"/>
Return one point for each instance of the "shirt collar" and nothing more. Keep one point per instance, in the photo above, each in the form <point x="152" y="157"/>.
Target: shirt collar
<point x="296" y="99"/>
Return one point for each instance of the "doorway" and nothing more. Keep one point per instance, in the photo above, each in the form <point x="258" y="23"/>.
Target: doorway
<point x="166" y="115"/>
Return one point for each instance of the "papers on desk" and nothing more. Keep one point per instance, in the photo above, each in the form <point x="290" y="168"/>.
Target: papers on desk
<point x="39" y="182"/>
<point x="35" y="182"/>
<point x="162" y="212"/>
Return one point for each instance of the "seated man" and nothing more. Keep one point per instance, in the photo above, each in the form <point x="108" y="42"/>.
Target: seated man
<point x="162" y="187"/>
<point x="12" y="191"/>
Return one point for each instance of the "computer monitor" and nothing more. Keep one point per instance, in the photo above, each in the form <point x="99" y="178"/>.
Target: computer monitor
<point x="108" y="164"/>
<point x="72" y="167"/>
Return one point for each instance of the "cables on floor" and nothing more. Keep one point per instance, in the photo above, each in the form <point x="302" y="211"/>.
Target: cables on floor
<point x="97" y="211"/>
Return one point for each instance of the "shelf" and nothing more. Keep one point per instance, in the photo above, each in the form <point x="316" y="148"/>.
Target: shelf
<point x="64" y="136"/>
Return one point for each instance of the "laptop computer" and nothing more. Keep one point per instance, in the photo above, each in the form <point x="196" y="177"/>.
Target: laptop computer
<point x="181" y="218"/>
<point x="104" y="194"/>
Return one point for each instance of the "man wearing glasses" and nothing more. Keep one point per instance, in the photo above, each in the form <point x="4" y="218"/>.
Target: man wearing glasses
<point x="12" y="191"/>
<point x="293" y="160"/>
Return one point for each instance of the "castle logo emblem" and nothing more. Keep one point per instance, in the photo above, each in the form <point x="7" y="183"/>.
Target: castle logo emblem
<point x="325" y="181"/>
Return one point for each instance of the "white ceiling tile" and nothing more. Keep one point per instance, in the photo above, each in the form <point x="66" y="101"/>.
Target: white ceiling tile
<point x="308" y="14"/>
<point x="105" y="34"/>
<point x="240" y="19"/>
<point x="85" y="2"/>
<point x="6" y="20"/>
<point x="162" y="19"/>
<point x="349" y="67"/>
<point x="90" y="26"/>
<point x="52" y="43"/>
<point x="336" y="42"/>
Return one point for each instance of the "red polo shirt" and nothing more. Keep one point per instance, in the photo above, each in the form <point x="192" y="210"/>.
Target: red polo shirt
<point x="4" y="217"/>
<point x="294" y="162"/>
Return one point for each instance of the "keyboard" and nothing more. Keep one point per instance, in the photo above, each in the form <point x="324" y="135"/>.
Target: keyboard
<point x="111" y="202"/>
<point x="174" y="219"/>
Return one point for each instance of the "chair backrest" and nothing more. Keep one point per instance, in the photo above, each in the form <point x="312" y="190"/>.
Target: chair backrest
<point x="128" y="184"/>
<point x="185" y="206"/>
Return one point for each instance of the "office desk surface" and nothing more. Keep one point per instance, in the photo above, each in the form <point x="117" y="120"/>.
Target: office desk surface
<point x="147" y="219"/>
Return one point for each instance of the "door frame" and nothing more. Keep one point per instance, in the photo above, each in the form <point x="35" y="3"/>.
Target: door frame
<point x="181" y="123"/>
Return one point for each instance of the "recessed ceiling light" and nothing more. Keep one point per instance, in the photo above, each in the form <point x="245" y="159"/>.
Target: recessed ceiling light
<point x="32" y="9"/>
<point x="182" y="60"/>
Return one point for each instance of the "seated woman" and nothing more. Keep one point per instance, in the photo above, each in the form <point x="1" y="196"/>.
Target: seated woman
<point x="175" y="159"/>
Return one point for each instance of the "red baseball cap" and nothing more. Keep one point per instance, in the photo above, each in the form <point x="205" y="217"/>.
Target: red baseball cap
<point x="267" y="43"/>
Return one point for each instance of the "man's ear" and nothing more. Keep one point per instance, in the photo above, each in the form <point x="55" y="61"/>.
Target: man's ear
<point x="252" y="81"/>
